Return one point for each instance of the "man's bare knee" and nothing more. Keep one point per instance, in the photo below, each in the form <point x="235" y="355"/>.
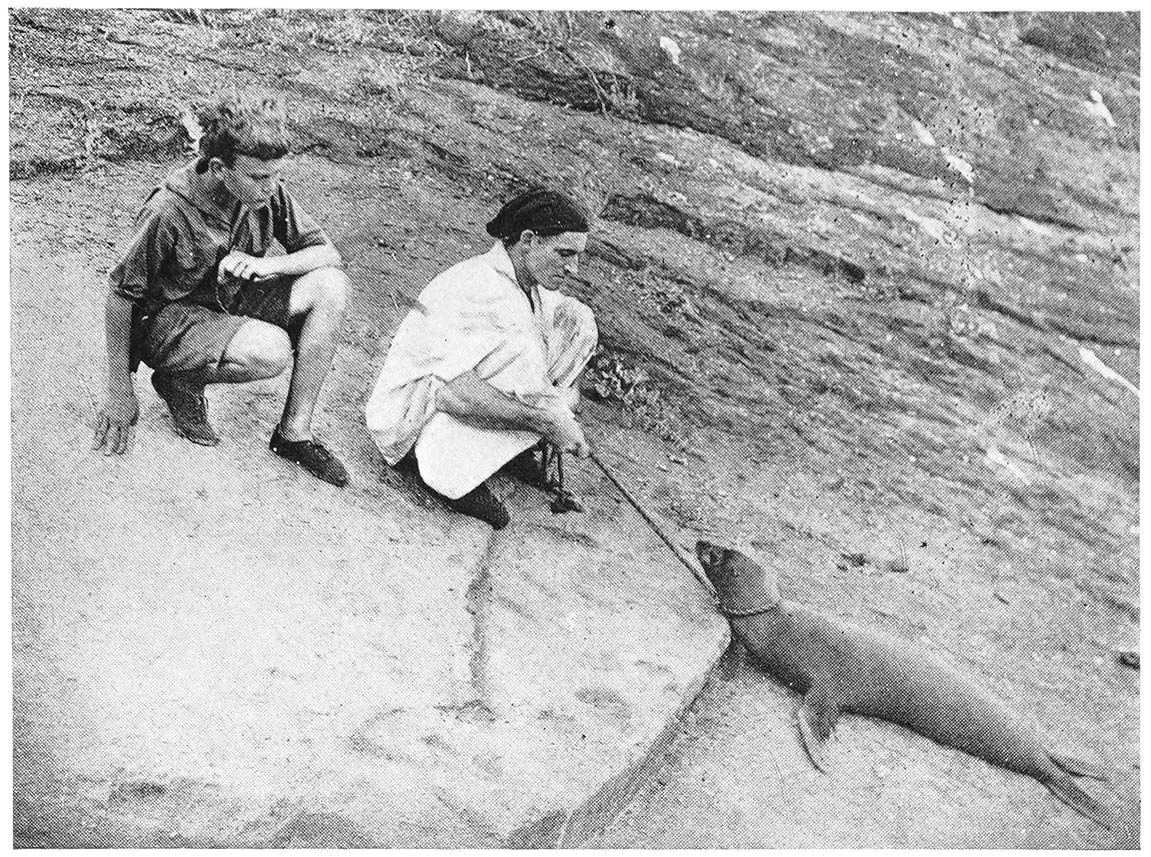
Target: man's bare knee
<point x="326" y="289"/>
<point x="258" y="350"/>
<point x="274" y="357"/>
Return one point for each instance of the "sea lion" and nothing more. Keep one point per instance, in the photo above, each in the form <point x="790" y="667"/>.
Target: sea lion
<point x="843" y="669"/>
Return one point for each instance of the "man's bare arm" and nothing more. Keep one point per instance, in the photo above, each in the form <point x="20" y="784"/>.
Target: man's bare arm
<point x="292" y="265"/>
<point x="120" y="409"/>
<point x="473" y="400"/>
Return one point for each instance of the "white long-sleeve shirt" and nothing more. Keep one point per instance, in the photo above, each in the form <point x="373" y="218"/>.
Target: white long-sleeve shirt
<point x="475" y="316"/>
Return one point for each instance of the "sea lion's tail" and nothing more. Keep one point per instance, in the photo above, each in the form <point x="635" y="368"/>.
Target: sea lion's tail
<point x="1068" y="791"/>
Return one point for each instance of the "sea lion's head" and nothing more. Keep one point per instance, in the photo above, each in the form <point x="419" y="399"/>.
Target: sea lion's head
<point x="742" y="585"/>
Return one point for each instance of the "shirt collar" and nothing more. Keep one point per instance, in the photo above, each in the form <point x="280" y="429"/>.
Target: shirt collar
<point x="500" y="260"/>
<point x="192" y="187"/>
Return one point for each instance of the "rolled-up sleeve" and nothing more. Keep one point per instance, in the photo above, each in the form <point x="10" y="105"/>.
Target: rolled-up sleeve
<point x="293" y="227"/>
<point x="430" y="349"/>
<point x="465" y="319"/>
<point x="148" y="252"/>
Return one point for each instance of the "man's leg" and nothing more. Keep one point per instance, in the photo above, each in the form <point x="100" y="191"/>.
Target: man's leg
<point x="318" y="303"/>
<point x="258" y="350"/>
<point x="571" y="341"/>
<point x="190" y="346"/>
<point x="454" y="460"/>
<point x="321" y="297"/>
<point x="455" y="456"/>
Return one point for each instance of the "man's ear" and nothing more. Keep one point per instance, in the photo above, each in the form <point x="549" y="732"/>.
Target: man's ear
<point x="528" y="238"/>
<point x="215" y="165"/>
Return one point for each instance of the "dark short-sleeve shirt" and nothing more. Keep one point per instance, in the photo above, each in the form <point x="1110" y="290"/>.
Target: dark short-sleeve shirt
<point x="181" y="235"/>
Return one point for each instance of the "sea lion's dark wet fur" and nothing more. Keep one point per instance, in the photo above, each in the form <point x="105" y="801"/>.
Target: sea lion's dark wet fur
<point x="843" y="669"/>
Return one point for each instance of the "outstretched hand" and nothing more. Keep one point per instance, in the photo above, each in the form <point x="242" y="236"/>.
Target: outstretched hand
<point x="114" y="424"/>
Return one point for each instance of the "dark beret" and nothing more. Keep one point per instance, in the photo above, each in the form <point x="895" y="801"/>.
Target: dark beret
<point x="544" y="212"/>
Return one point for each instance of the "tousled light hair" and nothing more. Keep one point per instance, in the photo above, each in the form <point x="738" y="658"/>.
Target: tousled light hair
<point x="242" y="125"/>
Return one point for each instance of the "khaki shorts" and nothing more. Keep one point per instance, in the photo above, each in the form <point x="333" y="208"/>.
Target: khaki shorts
<point x="185" y="336"/>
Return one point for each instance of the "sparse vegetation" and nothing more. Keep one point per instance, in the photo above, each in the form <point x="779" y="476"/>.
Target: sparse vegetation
<point x="609" y="379"/>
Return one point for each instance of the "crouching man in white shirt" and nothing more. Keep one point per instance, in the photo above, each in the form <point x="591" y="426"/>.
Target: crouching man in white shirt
<point x="487" y="362"/>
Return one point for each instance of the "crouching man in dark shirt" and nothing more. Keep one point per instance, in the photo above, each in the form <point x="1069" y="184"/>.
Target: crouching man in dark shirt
<point x="196" y="298"/>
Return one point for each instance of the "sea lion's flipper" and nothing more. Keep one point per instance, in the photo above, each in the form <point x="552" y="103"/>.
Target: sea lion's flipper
<point x="816" y="717"/>
<point x="812" y="743"/>
<point x="1078" y="767"/>
<point x="1067" y="791"/>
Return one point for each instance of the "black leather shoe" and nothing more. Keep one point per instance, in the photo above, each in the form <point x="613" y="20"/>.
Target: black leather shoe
<point x="183" y="392"/>
<point x="311" y="455"/>
<point x="481" y="503"/>
<point x="478" y="503"/>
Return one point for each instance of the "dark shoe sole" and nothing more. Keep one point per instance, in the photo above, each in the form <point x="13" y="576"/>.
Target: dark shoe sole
<point x="498" y="516"/>
<point x="199" y="441"/>
<point x="496" y="523"/>
<point x="338" y="481"/>
<point x="493" y="511"/>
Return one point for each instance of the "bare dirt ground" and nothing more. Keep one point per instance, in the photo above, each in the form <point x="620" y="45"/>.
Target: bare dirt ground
<point x="856" y="359"/>
<point x="738" y="776"/>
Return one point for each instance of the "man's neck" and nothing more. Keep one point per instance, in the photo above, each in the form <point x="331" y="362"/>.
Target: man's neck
<point x="216" y="192"/>
<point x="523" y="279"/>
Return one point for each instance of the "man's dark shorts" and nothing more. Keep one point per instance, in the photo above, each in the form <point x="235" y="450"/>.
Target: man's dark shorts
<point x="187" y="336"/>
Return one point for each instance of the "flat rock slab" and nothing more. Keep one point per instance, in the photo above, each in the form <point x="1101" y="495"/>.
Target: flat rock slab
<point x="201" y="682"/>
<point x="581" y="651"/>
<point x="211" y="647"/>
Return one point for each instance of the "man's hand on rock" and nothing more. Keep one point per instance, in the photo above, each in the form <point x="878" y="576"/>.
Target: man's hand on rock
<point x="114" y="423"/>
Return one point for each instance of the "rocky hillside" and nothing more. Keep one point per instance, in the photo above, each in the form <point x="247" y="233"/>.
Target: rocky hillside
<point x="896" y="255"/>
<point x="900" y="242"/>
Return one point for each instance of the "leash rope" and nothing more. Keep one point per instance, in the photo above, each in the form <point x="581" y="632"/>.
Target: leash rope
<point x="676" y="549"/>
